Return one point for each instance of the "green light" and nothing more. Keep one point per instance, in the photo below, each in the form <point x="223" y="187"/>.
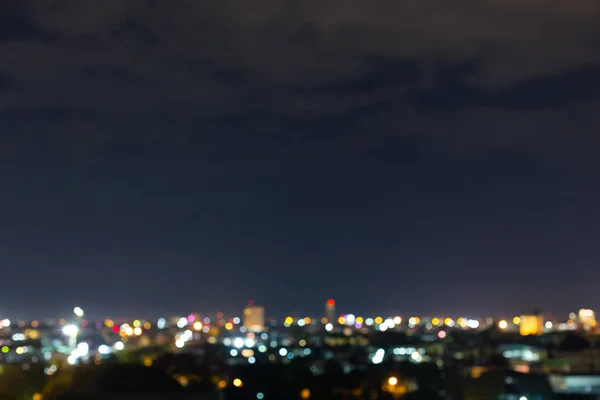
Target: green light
<point x="5" y="349"/>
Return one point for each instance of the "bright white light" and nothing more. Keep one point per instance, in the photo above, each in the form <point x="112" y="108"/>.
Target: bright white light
<point x="283" y="352"/>
<point x="416" y="357"/>
<point x="350" y="319"/>
<point x="390" y="323"/>
<point x="251" y="360"/>
<point x="262" y="348"/>
<point x="301" y="322"/>
<point x="82" y="349"/>
<point x="236" y="320"/>
<point x="72" y="359"/>
<point x="473" y="324"/>
<point x="6" y="323"/>
<point x="378" y="357"/>
<point x="249" y="342"/>
<point x="238" y="342"/>
<point x="523" y="398"/>
<point x="548" y="325"/>
<point x="103" y="349"/>
<point x="182" y="322"/>
<point x="18" y="337"/>
<point x="369" y="321"/>
<point x="119" y="346"/>
<point x="329" y="327"/>
<point x="70" y="330"/>
<point x="383" y="327"/>
<point x="179" y="343"/>
<point x="161" y="323"/>
<point x="78" y="311"/>
<point x="260" y="396"/>
<point x="233" y="352"/>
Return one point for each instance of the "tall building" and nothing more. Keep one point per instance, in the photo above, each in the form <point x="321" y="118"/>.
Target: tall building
<point x="254" y="318"/>
<point x="330" y="310"/>
<point x="587" y="318"/>
<point x="531" y="325"/>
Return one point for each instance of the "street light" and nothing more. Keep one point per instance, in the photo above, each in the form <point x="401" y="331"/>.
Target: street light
<point x="78" y="311"/>
<point x="393" y="381"/>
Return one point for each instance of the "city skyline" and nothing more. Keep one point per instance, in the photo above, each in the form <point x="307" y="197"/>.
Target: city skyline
<point x="384" y="156"/>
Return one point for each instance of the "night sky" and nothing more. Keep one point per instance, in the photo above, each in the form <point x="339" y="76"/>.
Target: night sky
<point x="161" y="157"/>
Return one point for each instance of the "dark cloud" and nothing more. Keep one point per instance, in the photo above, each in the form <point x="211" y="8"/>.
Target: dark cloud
<point x="7" y="83"/>
<point x="256" y="134"/>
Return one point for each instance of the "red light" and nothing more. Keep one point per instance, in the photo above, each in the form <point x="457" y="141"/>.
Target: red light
<point x="331" y="302"/>
<point x="219" y="315"/>
<point x="115" y="329"/>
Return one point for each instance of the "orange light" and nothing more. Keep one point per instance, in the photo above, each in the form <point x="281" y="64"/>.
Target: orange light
<point x="331" y="302"/>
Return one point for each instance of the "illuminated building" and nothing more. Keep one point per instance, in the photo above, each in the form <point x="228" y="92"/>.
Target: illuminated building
<point x="254" y="318"/>
<point x="531" y="325"/>
<point x="330" y="310"/>
<point x="587" y="318"/>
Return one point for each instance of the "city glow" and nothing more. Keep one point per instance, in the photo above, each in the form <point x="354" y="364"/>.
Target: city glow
<point x="70" y="330"/>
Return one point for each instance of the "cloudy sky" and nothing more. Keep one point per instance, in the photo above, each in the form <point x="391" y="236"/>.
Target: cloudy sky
<point x="401" y="156"/>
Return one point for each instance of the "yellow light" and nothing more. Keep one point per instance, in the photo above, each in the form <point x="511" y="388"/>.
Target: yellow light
<point x="360" y="320"/>
<point x="412" y="321"/>
<point x="288" y="321"/>
<point x="503" y="324"/>
<point x="137" y="331"/>
<point x="435" y="321"/>
<point x="148" y="361"/>
<point x="418" y="320"/>
<point x="237" y="382"/>
<point x="229" y="326"/>
<point x="324" y="321"/>
<point x="137" y="323"/>
<point x="448" y="322"/>
<point x="397" y="320"/>
<point x="393" y="381"/>
<point x="378" y="320"/>
<point x="197" y="325"/>
<point x="247" y="353"/>
<point x="307" y="321"/>
<point x="128" y="331"/>
<point x="37" y="396"/>
<point x="147" y="325"/>
<point x="109" y="323"/>
<point x="516" y="320"/>
<point x="221" y="384"/>
<point x="20" y="350"/>
<point x="183" y="381"/>
<point x="341" y="320"/>
<point x="305" y="394"/>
